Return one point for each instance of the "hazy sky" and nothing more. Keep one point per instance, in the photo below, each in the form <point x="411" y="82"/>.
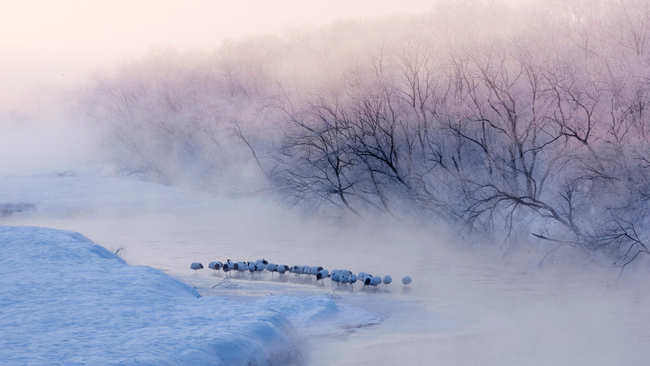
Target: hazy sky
<point x="53" y="42"/>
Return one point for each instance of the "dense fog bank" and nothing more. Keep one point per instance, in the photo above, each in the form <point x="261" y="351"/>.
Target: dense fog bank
<point x="514" y="125"/>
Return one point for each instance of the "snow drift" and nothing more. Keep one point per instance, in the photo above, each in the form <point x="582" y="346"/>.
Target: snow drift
<point x="66" y="300"/>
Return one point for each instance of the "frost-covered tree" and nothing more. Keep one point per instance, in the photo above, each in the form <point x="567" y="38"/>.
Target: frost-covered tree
<point x="536" y="127"/>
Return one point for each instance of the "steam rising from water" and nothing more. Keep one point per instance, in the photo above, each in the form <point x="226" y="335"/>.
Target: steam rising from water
<point x="512" y="312"/>
<point x="566" y="312"/>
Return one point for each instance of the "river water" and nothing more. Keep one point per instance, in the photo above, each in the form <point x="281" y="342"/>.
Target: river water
<point x="464" y="307"/>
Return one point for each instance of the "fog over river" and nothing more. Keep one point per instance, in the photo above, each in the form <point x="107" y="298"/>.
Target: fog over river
<point x="464" y="307"/>
<point x="497" y="152"/>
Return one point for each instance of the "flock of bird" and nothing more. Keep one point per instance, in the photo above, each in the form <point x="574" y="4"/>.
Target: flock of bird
<point x="340" y="276"/>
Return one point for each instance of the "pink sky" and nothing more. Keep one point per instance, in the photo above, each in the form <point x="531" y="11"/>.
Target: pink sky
<point x="50" y="43"/>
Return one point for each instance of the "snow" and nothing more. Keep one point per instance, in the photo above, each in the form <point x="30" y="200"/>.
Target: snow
<point x="68" y="301"/>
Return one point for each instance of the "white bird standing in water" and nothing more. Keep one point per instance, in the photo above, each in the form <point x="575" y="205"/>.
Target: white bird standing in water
<point x="314" y="271"/>
<point x="387" y="280"/>
<point x="372" y="281"/>
<point x="272" y="267"/>
<point x="259" y="267"/>
<point x="241" y="266"/>
<point x="344" y="280"/>
<point x="227" y="267"/>
<point x="362" y="277"/>
<point x="352" y="279"/>
<point x="406" y="280"/>
<point x="336" y="277"/>
<point x="321" y="275"/>
<point x="196" y="266"/>
<point x="282" y="269"/>
<point x="216" y="266"/>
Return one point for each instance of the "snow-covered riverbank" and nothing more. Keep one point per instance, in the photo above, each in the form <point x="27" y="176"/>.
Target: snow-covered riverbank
<point x="68" y="301"/>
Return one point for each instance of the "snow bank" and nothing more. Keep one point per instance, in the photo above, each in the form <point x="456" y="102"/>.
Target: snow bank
<point x="67" y="301"/>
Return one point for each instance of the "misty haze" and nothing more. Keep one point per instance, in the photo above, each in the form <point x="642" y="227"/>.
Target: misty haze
<point x="452" y="182"/>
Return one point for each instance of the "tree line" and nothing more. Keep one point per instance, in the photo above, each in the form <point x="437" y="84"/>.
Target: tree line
<point x="507" y="122"/>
